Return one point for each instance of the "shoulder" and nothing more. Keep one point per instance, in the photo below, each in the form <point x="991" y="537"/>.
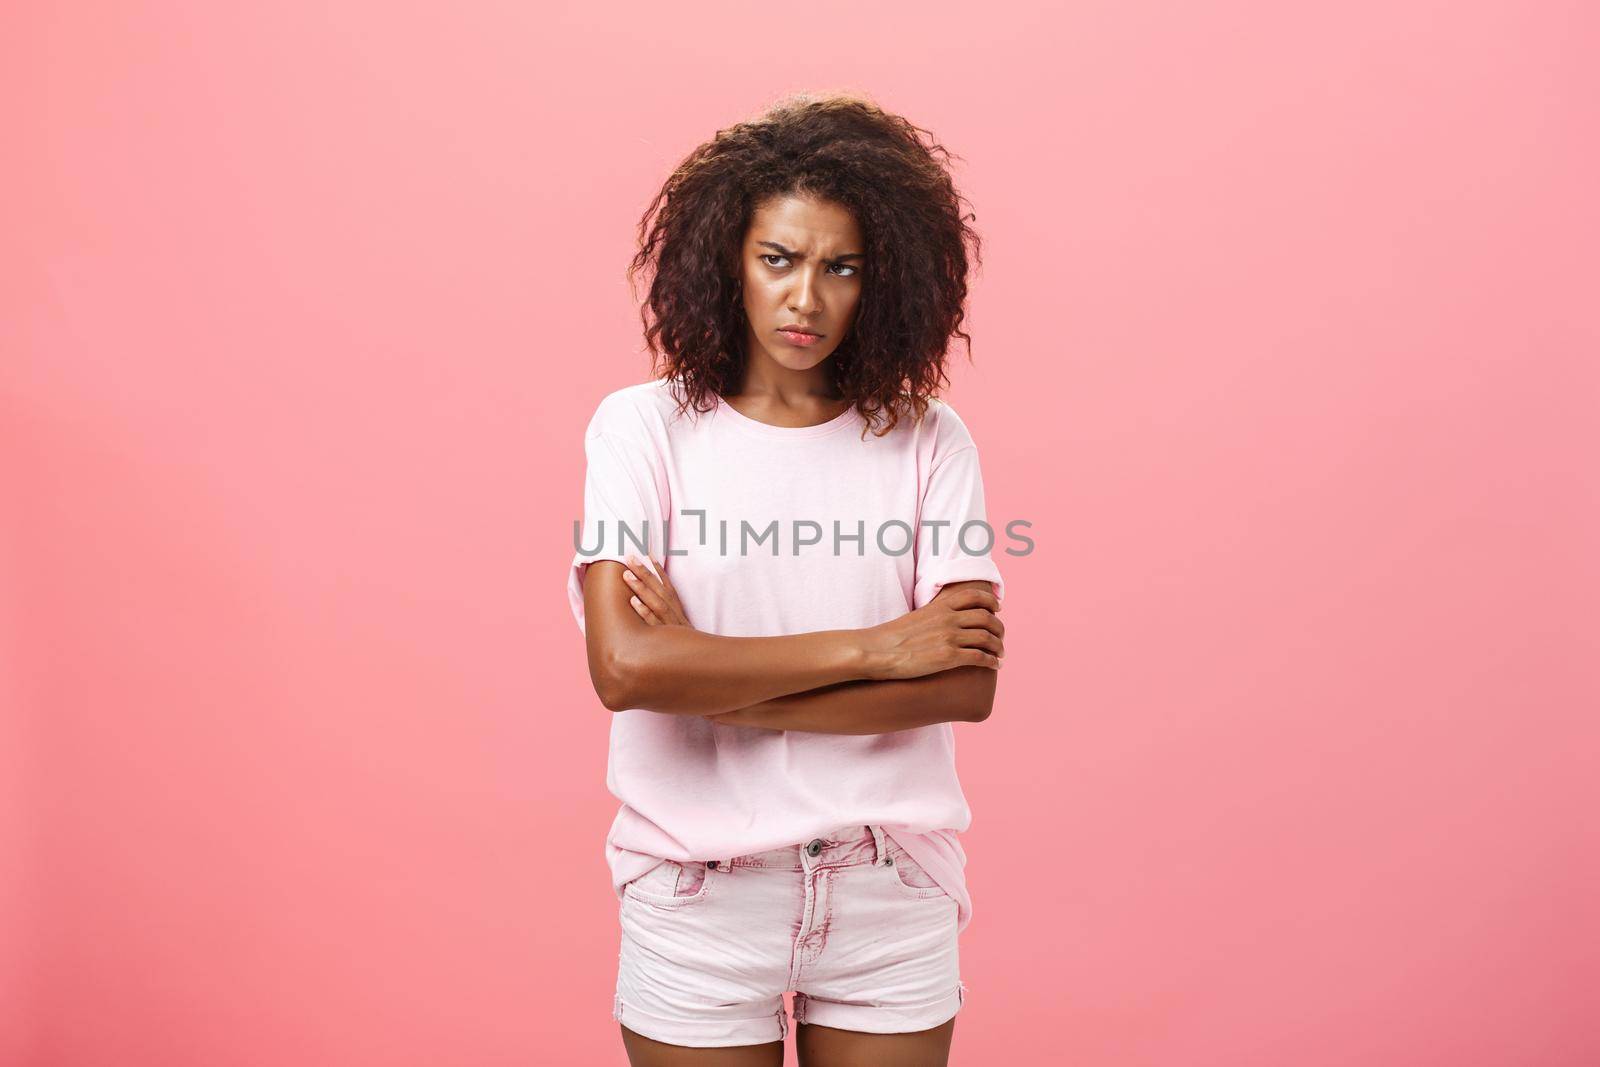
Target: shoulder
<point x="638" y="412"/>
<point x="943" y="431"/>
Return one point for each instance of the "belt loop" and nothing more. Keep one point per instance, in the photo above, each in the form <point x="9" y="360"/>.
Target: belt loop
<point x="881" y="848"/>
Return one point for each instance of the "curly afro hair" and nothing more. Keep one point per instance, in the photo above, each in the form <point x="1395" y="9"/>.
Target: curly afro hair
<point x="890" y="174"/>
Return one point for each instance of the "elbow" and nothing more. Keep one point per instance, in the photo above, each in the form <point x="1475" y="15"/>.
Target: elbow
<point x="613" y="699"/>
<point x="622" y="672"/>
<point x="612" y="682"/>
<point x="979" y="700"/>
<point x="619" y="667"/>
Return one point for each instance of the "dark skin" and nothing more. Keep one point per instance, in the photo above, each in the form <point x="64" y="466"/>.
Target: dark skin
<point x="799" y="266"/>
<point x="948" y="651"/>
<point x="954" y="694"/>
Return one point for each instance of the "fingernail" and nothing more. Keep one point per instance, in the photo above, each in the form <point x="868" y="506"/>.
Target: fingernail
<point x="627" y="576"/>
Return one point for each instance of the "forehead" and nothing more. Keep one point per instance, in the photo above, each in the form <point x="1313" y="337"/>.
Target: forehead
<point x="804" y="223"/>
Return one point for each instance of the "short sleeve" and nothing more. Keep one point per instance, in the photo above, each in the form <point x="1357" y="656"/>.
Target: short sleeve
<point x="624" y="508"/>
<point x="954" y="541"/>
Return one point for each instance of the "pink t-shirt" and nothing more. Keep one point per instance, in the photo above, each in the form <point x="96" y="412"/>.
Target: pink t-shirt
<point x="767" y="531"/>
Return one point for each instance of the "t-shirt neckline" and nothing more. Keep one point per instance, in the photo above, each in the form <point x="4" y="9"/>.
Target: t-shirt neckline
<point x="767" y="429"/>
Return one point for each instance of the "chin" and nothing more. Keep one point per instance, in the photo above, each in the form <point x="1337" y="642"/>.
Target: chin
<point x="796" y="358"/>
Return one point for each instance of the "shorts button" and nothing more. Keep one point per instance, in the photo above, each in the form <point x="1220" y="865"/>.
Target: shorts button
<point x="815" y="847"/>
<point x="712" y="864"/>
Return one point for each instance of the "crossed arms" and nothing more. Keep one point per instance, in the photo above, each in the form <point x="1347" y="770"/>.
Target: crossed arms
<point x="935" y="664"/>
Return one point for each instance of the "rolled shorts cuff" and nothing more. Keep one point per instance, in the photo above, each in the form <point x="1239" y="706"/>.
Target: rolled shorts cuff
<point x="879" y="1019"/>
<point x="703" y="1033"/>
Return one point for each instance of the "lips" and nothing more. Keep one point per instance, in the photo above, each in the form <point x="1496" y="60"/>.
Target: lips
<point x="799" y="338"/>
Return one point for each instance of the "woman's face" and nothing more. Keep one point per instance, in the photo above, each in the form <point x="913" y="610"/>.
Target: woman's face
<point x="801" y="267"/>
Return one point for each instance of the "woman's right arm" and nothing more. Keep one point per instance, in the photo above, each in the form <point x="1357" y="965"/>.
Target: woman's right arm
<point x="683" y="671"/>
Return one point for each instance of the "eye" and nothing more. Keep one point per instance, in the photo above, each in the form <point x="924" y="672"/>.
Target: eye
<point x="777" y="262"/>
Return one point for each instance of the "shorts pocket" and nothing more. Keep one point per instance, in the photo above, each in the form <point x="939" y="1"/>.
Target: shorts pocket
<point x="671" y="884"/>
<point x="910" y="878"/>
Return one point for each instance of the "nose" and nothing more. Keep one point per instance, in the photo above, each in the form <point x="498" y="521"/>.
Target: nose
<point x="803" y="298"/>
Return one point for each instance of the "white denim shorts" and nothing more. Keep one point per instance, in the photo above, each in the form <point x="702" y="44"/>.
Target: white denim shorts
<point x="848" y="922"/>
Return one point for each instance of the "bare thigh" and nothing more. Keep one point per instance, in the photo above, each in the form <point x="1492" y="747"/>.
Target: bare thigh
<point x="825" y="1046"/>
<point x="646" y="1052"/>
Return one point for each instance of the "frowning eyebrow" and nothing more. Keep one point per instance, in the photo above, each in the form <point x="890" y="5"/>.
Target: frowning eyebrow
<point x="782" y="251"/>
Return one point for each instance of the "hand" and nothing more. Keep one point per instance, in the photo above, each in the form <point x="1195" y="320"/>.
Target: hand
<point x="957" y="628"/>
<point x="654" y="598"/>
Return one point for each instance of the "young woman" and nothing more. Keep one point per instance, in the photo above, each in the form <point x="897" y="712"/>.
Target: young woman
<point x="817" y="608"/>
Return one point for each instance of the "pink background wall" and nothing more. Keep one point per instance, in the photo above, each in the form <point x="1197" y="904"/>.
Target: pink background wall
<point x="1285" y="342"/>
